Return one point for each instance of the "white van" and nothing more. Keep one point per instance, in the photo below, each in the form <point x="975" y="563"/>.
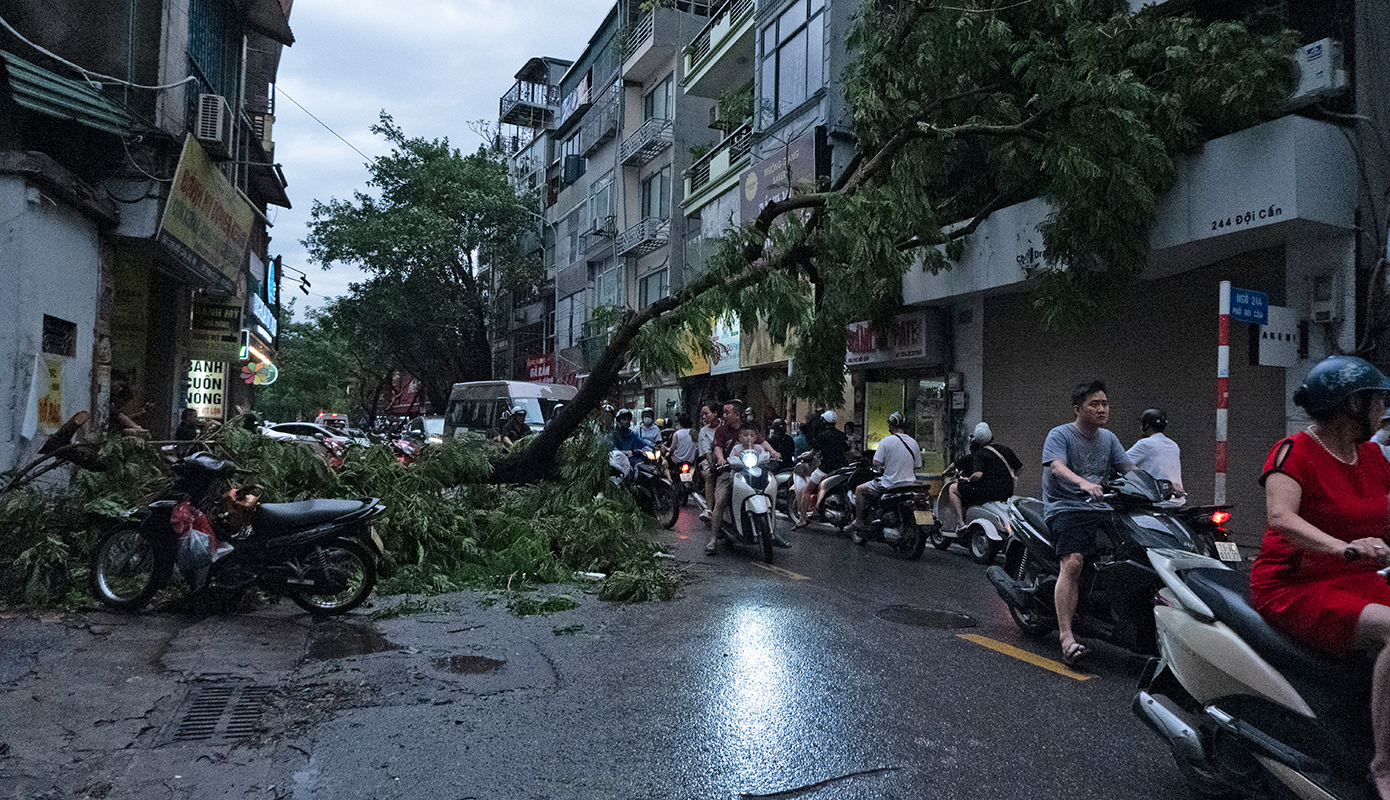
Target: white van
<point x="480" y="407"/>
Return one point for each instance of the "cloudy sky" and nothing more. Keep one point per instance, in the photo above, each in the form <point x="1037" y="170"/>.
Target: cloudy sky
<point x="435" y="65"/>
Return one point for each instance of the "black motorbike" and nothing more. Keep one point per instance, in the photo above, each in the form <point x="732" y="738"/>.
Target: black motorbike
<point x="654" y="492"/>
<point x="322" y="554"/>
<point x="900" y="518"/>
<point x="1115" y="595"/>
<point x="831" y="503"/>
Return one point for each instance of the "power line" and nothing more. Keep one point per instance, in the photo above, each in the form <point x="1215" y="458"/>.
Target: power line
<point x="279" y="91"/>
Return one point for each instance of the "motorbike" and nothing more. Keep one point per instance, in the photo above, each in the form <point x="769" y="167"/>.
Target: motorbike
<point x="753" y="500"/>
<point x="643" y="475"/>
<point x="1245" y="710"/>
<point x="323" y="554"/>
<point x="691" y="475"/>
<point x="899" y="518"/>
<point x="983" y="531"/>
<point x="831" y="503"/>
<point x="1116" y="588"/>
<point x="407" y="448"/>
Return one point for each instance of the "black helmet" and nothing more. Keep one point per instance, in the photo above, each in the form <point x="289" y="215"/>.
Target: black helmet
<point x="897" y="420"/>
<point x="1153" y="419"/>
<point x="623" y="412"/>
<point x="778" y="425"/>
<point x="1334" y="379"/>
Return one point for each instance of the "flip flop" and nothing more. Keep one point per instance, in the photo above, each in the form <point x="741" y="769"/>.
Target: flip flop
<point x="1075" y="654"/>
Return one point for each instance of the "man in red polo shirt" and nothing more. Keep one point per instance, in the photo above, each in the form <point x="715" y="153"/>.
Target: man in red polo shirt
<point x="724" y="440"/>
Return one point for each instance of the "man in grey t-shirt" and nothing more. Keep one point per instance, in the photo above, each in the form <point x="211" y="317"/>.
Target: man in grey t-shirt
<point x="1076" y="458"/>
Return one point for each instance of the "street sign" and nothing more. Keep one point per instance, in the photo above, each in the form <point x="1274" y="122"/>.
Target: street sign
<point x="1279" y="338"/>
<point x="1248" y="305"/>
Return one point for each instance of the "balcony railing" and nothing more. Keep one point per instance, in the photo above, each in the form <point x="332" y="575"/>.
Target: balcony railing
<point x="730" y="11"/>
<point x="600" y="122"/>
<point x="647" y="236"/>
<point x="715" y="163"/>
<point x="647" y="142"/>
<point x="528" y="104"/>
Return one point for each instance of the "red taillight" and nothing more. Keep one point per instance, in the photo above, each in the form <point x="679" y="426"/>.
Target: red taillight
<point x="685" y="467"/>
<point x="1220" y="517"/>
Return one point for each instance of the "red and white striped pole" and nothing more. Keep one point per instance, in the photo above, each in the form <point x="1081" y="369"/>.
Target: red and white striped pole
<point x="1223" y="391"/>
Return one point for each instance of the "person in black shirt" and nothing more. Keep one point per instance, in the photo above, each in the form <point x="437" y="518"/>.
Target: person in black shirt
<point x="832" y="446"/>
<point x="515" y="427"/>
<point x="189" y="427"/>
<point x="987" y="473"/>
<point x="780" y="441"/>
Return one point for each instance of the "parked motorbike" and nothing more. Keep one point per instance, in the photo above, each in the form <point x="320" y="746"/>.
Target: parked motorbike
<point x="654" y="492"/>
<point x="1116" y="586"/>
<point x="900" y="519"/>
<point x="322" y="554"/>
<point x="753" y="493"/>
<point x="1246" y="711"/>
<point x="983" y="531"/>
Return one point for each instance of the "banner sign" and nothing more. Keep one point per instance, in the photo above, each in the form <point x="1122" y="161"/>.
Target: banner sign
<point x="206" y="388"/>
<point x="206" y="222"/>
<point x="726" y="347"/>
<point x="265" y="316"/>
<point x="51" y="401"/>
<point x="773" y="178"/>
<point x="216" y="334"/>
<point x="906" y="339"/>
<point x="541" y="369"/>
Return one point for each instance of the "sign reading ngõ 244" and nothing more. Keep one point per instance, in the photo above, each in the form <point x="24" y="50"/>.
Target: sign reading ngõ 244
<point x="1248" y="305"/>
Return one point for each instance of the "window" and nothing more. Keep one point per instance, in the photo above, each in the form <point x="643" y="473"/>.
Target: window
<point x="569" y="230"/>
<point x="656" y="194"/>
<point x="609" y="287"/>
<point x="651" y="288"/>
<point x="601" y="197"/>
<point x="659" y="101"/>
<point x="793" y="54"/>
<point x="572" y="161"/>
<point x="59" y="337"/>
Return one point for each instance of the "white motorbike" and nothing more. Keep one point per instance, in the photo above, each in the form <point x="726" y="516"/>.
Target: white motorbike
<point x="983" y="531"/>
<point x="752" y="504"/>
<point x="1246" y="711"/>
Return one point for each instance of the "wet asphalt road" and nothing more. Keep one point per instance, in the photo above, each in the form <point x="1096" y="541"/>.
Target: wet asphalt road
<point x="753" y="683"/>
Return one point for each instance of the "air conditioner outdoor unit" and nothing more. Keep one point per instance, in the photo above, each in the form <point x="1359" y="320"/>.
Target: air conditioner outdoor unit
<point x="600" y="226"/>
<point x="1321" y="72"/>
<point x="213" y="126"/>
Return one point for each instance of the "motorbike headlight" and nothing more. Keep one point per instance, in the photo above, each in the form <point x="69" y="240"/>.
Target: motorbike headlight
<point x="750" y="460"/>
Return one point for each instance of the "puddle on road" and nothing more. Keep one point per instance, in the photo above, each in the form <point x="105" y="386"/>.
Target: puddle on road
<point x="468" y="665"/>
<point x="925" y="617"/>
<point x="342" y="639"/>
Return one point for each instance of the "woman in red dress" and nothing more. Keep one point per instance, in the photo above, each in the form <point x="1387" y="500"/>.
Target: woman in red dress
<point x="1328" y="492"/>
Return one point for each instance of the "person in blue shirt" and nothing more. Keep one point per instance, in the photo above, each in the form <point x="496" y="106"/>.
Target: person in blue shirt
<point x="625" y="439"/>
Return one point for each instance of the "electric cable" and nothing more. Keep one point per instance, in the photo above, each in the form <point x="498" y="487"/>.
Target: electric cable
<point x="280" y="91"/>
<point x="86" y="73"/>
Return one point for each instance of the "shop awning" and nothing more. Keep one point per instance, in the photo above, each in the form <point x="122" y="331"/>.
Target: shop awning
<point x="269" y="18"/>
<point x="45" y="92"/>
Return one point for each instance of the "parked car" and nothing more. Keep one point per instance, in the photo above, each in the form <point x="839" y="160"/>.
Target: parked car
<point x="480" y="407"/>
<point x="304" y="432"/>
<point x="429" y="429"/>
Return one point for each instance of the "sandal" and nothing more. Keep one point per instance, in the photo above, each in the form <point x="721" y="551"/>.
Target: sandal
<point x="1075" y="654"/>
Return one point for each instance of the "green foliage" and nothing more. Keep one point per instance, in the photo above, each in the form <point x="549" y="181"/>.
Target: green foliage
<point x="527" y="605"/>
<point x="735" y="106"/>
<point x="315" y="373"/>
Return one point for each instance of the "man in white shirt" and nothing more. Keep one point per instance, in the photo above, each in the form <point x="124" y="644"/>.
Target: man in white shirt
<point x="900" y="456"/>
<point x="1158" y="455"/>
<point x="683" y="447"/>
<point x="709" y="423"/>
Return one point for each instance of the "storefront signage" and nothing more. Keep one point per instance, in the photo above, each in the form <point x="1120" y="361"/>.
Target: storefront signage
<point x="206" y="222"/>
<point x="207" y="388"/>
<point x="51" y="401"/>
<point x="880" y="400"/>
<point x="216" y="334"/>
<point x="699" y="365"/>
<point x="1279" y="338"/>
<point x="541" y="369"/>
<point x="266" y="317"/>
<point x="773" y="178"/>
<point x="725" y="338"/>
<point x="906" y="339"/>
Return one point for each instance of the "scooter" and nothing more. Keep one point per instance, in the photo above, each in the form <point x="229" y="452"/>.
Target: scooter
<point x="753" y="502"/>
<point x="642" y="474"/>
<point x="983" y="531"/>
<point x="1246" y="711"/>
<point x="900" y="518"/>
<point x="1116" y="588"/>
<point x="832" y="503"/>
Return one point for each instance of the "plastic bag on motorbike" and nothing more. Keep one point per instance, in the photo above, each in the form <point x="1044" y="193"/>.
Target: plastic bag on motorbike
<point x="619" y="461"/>
<point x="197" y="544"/>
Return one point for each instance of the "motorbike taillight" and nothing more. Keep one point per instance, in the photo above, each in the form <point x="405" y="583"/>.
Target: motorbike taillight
<point x="1220" y="516"/>
<point x="685" y="467"/>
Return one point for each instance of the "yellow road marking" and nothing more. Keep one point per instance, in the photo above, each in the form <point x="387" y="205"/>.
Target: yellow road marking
<point x="776" y="570"/>
<point x="1023" y="655"/>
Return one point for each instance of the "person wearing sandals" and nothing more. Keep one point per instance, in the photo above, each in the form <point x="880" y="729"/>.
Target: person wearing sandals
<point x="1327" y="491"/>
<point x="1076" y="458"/>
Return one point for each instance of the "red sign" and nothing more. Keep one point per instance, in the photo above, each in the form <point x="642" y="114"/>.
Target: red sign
<point x="906" y="339"/>
<point x="541" y="369"/>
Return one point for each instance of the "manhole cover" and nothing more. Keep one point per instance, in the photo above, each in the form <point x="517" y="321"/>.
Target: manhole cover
<point x="221" y="712"/>
<point x="468" y="665"/>
<point x="925" y="617"/>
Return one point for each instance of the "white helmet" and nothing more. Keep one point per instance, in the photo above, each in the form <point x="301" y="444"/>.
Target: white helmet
<point x="829" y="416"/>
<point x="982" y="435"/>
<point x="518" y="410"/>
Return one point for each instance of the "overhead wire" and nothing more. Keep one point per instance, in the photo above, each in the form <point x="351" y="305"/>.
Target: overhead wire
<point x="280" y="91"/>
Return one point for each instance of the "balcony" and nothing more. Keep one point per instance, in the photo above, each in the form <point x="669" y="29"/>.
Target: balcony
<point x="600" y="122"/>
<point x="598" y="243"/>
<point x="529" y="105"/>
<point x="717" y="171"/>
<point x="647" y="142"/>
<point x="712" y="61"/>
<point x="654" y="38"/>
<point x="644" y="238"/>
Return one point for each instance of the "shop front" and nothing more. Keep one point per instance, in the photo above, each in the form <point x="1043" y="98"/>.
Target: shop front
<point x="903" y="369"/>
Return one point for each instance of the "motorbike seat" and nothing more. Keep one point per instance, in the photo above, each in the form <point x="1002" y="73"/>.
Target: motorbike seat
<point x="897" y="492"/>
<point x="305" y="513"/>
<point x="1032" y="510"/>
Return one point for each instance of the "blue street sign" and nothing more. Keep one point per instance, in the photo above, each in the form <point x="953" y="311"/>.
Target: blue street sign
<point x="1248" y="305"/>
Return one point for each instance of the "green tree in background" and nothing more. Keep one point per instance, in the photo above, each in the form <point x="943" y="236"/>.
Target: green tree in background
<point x="314" y="373"/>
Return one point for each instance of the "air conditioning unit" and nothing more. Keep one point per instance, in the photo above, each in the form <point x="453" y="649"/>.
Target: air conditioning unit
<point x="213" y="126"/>
<point x="261" y="125"/>
<point x="600" y="226"/>
<point x="1321" y="72"/>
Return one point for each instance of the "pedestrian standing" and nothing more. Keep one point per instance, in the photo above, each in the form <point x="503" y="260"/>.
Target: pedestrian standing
<point x="709" y="423"/>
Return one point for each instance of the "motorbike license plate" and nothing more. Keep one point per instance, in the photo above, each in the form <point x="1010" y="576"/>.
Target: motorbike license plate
<point x="924" y="517"/>
<point x="686" y="477"/>
<point x="1227" y="551"/>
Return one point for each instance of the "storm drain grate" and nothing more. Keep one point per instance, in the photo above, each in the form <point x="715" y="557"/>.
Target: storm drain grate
<point x="221" y="712"/>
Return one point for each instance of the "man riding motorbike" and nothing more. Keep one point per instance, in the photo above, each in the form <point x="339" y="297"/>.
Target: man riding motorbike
<point x="987" y="474"/>
<point x="724" y="439"/>
<point x="1158" y="455"/>
<point x="515" y="428"/>
<point x="625" y="441"/>
<point x="832" y="446"/>
<point x="780" y="441"/>
<point x="900" y="456"/>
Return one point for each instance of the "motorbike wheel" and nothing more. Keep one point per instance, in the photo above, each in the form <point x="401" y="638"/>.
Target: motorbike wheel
<point x="128" y="569"/>
<point x="914" y="541"/>
<point x="666" y="505"/>
<point x="764" y="529"/>
<point x="982" y="548"/>
<point x="937" y="538"/>
<point x="343" y="565"/>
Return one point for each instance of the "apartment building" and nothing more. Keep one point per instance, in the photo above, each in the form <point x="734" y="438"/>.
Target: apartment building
<point x="136" y="168"/>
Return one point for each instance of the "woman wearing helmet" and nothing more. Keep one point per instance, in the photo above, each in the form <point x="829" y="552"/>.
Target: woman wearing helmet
<point x="1326" y="489"/>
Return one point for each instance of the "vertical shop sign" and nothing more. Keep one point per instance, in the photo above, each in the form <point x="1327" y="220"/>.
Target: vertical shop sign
<point x="216" y="332"/>
<point x="51" y="401"/>
<point x="207" y="388"/>
<point x="206" y="222"/>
